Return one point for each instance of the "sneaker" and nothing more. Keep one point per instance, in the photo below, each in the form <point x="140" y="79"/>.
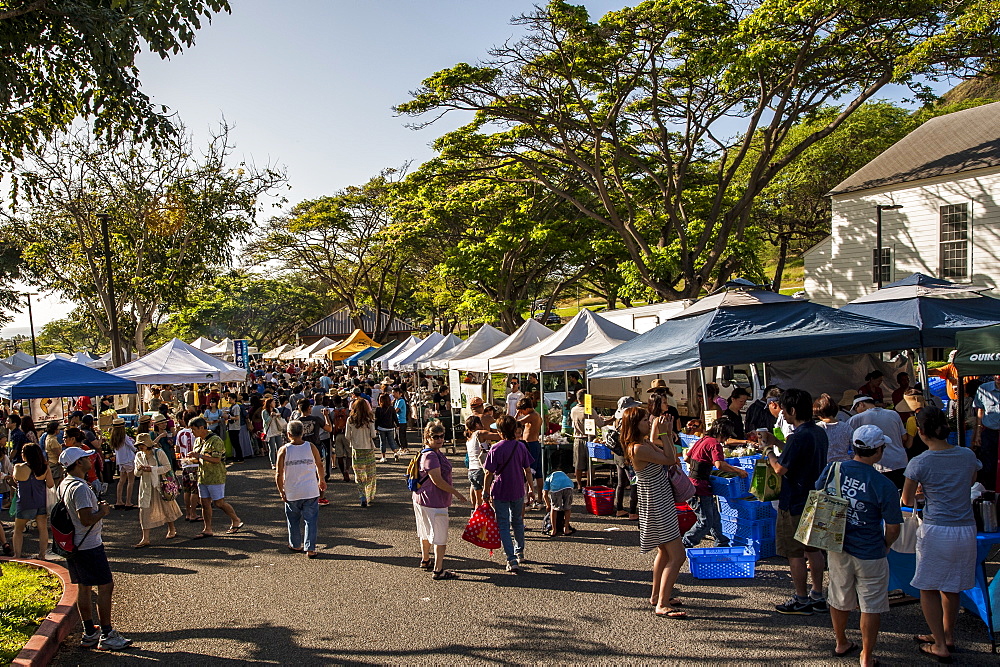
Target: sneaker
<point x="364" y="503"/>
<point x="795" y="607"/>
<point x="91" y="640"/>
<point x="113" y="642"/>
<point x="324" y="501"/>
<point x="382" y="460"/>
<point x="512" y="567"/>
<point x="818" y="605"/>
<point x="519" y="555"/>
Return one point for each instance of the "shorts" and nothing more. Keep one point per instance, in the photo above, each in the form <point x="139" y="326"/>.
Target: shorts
<point x="581" y="455"/>
<point x="189" y="479"/>
<point x="785" y="543"/>
<point x="30" y="513"/>
<point x="89" y="567"/>
<point x="341" y="447"/>
<point x="562" y="500"/>
<point x="125" y="467"/>
<point x="213" y="491"/>
<point x="476" y="478"/>
<point x="535" y="449"/>
<point x="858" y="583"/>
<point x="432" y="523"/>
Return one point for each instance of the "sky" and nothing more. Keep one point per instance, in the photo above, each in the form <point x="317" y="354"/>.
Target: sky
<point x="310" y="85"/>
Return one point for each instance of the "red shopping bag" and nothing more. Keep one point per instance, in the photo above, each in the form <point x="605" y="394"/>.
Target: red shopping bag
<point x="482" y="528"/>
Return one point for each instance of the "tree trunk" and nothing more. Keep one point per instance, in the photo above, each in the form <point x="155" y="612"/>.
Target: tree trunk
<point x="780" y="268"/>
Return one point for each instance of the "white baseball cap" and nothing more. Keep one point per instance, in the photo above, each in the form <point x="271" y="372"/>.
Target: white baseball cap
<point x="862" y="399"/>
<point x="870" y="437"/>
<point x="71" y="455"/>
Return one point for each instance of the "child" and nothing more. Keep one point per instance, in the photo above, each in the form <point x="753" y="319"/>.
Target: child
<point x="557" y="491"/>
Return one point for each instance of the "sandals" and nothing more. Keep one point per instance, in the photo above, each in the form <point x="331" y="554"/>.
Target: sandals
<point x="927" y="651"/>
<point x="673" y="613"/>
<point x="234" y="529"/>
<point x="846" y="652"/>
<point x="427" y="564"/>
<point x="928" y="639"/>
<point x="201" y="536"/>
<point x="140" y="545"/>
<point x="444" y="574"/>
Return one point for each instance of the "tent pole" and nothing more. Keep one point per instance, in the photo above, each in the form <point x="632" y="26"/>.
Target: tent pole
<point x="922" y="361"/>
<point x="704" y="398"/>
<point x="960" y="416"/>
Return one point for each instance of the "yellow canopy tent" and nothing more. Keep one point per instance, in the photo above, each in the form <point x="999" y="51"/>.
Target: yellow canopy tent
<point x="356" y="342"/>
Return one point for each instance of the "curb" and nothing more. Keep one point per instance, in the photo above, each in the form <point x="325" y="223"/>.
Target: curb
<point x="60" y="622"/>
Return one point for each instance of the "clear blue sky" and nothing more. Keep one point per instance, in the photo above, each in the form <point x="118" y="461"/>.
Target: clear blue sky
<point x="310" y="85"/>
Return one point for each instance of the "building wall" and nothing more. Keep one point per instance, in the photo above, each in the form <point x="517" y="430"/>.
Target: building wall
<point x="839" y="269"/>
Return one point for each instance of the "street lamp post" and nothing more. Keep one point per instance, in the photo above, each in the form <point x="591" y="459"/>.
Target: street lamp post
<point x="878" y="237"/>
<point x="116" y="346"/>
<point x="31" y="323"/>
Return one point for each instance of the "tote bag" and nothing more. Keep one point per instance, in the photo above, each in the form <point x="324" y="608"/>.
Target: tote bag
<point x="766" y="484"/>
<point x="682" y="485"/>
<point x="906" y="543"/>
<point x="482" y="529"/>
<point x="824" y="518"/>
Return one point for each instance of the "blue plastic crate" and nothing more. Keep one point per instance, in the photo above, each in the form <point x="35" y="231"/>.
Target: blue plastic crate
<point x="746" y="510"/>
<point x="749" y="530"/>
<point x="688" y="440"/>
<point x="745" y="462"/>
<point x="722" y="563"/>
<point x="760" y="548"/>
<point x="730" y="487"/>
<point x="599" y="451"/>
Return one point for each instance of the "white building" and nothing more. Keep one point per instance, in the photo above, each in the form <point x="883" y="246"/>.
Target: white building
<point x="946" y="176"/>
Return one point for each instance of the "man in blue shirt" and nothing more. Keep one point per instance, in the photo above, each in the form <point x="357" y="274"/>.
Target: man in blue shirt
<point x="803" y="456"/>
<point x="399" y="404"/>
<point x="985" y="436"/>
<point x="859" y="576"/>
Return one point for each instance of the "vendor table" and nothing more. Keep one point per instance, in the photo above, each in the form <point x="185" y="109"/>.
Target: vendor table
<point x="130" y="420"/>
<point x="983" y="599"/>
<point x="548" y="451"/>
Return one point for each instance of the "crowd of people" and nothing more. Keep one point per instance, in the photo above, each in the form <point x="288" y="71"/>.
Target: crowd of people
<point x="314" y="423"/>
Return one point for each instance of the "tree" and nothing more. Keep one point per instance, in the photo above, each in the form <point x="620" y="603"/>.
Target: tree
<point x="175" y="219"/>
<point x="10" y="267"/>
<point x="63" y="59"/>
<point x="341" y="241"/>
<point x="73" y="333"/>
<point x="265" y="311"/>
<point x="644" y="121"/>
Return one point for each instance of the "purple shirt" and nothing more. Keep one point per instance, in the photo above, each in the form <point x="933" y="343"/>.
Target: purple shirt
<point x="429" y="494"/>
<point x="507" y="460"/>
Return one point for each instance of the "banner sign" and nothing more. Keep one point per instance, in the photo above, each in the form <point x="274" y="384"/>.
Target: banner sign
<point x="241" y="352"/>
<point x="454" y="380"/>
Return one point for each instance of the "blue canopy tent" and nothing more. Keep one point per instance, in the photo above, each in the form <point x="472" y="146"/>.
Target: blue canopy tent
<point x="747" y="326"/>
<point x="917" y="301"/>
<point x="61" y="377"/>
<point x="355" y="359"/>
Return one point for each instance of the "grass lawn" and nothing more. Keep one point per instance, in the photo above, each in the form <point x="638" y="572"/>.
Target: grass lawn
<point x="27" y="595"/>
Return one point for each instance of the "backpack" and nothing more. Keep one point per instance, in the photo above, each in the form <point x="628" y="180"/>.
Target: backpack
<point x="413" y="479"/>
<point x="614" y="440"/>
<point x="339" y="419"/>
<point x="63" y="530"/>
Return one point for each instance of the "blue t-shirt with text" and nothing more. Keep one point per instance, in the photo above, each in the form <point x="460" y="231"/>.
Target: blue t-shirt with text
<point x="873" y="499"/>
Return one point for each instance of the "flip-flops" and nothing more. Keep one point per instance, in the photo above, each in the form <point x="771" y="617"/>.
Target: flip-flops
<point x="235" y="529"/>
<point x="444" y="574"/>
<point x="846" y="652"/>
<point x="673" y="613"/>
<point x="201" y="536"/>
<point x="925" y="650"/>
<point x="925" y="639"/>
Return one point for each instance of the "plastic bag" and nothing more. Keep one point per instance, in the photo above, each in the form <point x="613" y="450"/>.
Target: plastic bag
<point x="824" y="518"/>
<point x="766" y="484"/>
<point x="482" y="529"/>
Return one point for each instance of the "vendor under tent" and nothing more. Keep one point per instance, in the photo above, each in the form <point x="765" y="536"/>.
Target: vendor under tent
<point x="484" y="339"/>
<point x="179" y="363"/>
<point x="354" y="359"/>
<point x="922" y="301"/>
<point x="747" y="325"/>
<point x="446" y="344"/>
<point x="203" y="343"/>
<point x="20" y="360"/>
<point x="585" y="336"/>
<point x="308" y="351"/>
<point x="372" y="355"/>
<point x="275" y="352"/>
<point x="291" y="354"/>
<point x="526" y="335"/>
<point x="61" y="377"/>
<point x="340" y="350"/>
<point x="404" y="360"/>
<point x="380" y="361"/>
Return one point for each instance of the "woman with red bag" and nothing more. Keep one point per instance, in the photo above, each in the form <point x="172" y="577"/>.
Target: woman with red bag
<point x="432" y="500"/>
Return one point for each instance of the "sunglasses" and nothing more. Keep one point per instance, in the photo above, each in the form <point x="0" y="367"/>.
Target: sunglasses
<point x="437" y="436"/>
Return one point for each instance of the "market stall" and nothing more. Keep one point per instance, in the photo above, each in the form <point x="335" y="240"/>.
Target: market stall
<point x="485" y="338"/>
<point x="370" y="356"/>
<point x="61" y="377"/>
<point x="355" y="359"/>
<point x="179" y="363"/>
<point x="526" y="335"/>
<point x="275" y="352"/>
<point x="203" y="343"/>
<point x="20" y="360"/>
<point x="447" y="343"/>
<point x="411" y="352"/>
<point x="340" y="350"/>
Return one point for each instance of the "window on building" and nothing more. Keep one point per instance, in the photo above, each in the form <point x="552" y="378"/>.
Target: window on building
<point x="954" y="260"/>
<point x="885" y="265"/>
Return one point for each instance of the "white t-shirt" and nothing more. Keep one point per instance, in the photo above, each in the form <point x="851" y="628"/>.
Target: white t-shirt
<point x="234" y="413"/>
<point x="894" y="455"/>
<point x="474" y="448"/>
<point x="512" y="399"/>
<point x="125" y="455"/>
<point x="184" y="440"/>
<point x="80" y="497"/>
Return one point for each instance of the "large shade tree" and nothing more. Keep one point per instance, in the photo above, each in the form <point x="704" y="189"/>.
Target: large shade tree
<point x="646" y="120"/>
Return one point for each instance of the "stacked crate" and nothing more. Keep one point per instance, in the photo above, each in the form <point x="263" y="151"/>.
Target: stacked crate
<point x="749" y="523"/>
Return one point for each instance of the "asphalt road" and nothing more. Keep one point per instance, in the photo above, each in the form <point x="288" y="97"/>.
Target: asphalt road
<point x="233" y="599"/>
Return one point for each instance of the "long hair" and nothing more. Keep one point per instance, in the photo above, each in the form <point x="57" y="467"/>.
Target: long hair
<point x="631" y="436"/>
<point x="117" y="436"/>
<point x="35" y="459"/>
<point x="361" y="414"/>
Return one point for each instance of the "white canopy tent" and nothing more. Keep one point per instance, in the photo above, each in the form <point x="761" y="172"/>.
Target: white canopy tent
<point x="479" y="342"/>
<point x="42" y="358"/>
<point x="20" y="360"/>
<point x="274" y="353"/>
<point x="291" y="353"/>
<point x="404" y="361"/>
<point x="447" y="343"/>
<point x="527" y="334"/>
<point x="311" y="349"/>
<point x="203" y="343"/>
<point x="179" y="363"/>
<point x="6" y="368"/>
<point x="87" y="360"/>
<point x="224" y="347"/>
<point x="400" y="351"/>
<point x="585" y="336"/>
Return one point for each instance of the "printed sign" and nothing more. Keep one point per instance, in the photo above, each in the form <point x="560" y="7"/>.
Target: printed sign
<point x="590" y="426"/>
<point x="46" y="409"/>
<point x="588" y="404"/>
<point x="710" y="416"/>
<point x="454" y="380"/>
<point x="241" y="352"/>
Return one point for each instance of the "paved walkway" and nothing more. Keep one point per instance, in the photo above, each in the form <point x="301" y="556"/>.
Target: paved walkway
<point x="233" y="599"/>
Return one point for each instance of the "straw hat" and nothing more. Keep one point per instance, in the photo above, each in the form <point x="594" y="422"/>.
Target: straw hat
<point x="656" y="385"/>
<point x="143" y="439"/>
<point x="158" y="419"/>
<point x="848" y="398"/>
<point x="914" y="401"/>
<point x="117" y="421"/>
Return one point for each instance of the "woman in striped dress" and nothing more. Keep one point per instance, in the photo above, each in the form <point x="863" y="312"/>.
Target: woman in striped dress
<point x="657" y="513"/>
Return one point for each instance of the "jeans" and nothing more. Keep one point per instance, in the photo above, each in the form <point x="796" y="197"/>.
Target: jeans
<point x="273" y="445"/>
<point x="386" y="439"/>
<point x="709" y="521"/>
<point x="297" y="511"/>
<point x="326" y="453"/>
<point x="624" y="487"/>
<point x="510" y="513"/>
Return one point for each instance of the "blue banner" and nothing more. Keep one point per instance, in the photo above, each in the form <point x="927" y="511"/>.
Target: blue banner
<point x="241" y="352"/>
